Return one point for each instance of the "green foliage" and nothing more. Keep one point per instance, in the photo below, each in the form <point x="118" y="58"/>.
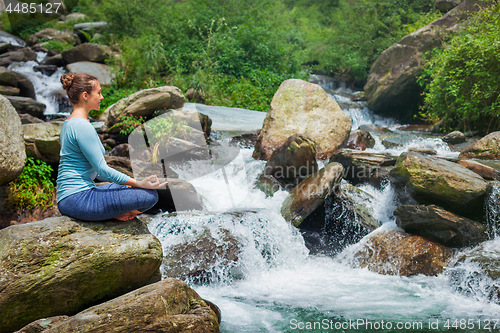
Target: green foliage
<point x="129" y="123"/>
<point x="32" y="188"/>
<point x="55" y="45"/>
<point x="163" y="129"/>
<point x="464" y="83"/>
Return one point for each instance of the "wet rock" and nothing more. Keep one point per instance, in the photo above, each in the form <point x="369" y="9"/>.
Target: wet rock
<point x="374" y="128"/>
<point x="10" y="91"/>
<point x="487" y="148"/>
<point x="87" y="52"/>
<point x="446" y="5"/>
<point x="292" y="162"/>
<point x="53" y="34"/>
<point x="397" y="141"/>
<point x="100" y="71"/>
<point x="356" y="201"/>
<point x="246" y="140"/>
<point x="363" y="167"/>
<point x="268" y="184"/>
<point x="27" y="105"/>
<point x="12" y="152"/>
<point x="437" y="181"/>
<point x="311" y="193"/>
<point x="202" y="256"/>
<point x="179" y="195"/>
<point x="29" y="119"/>
<point x="440" y="225"/>
<point x="300" y="107"/>
<point x="121" y="164"/>
<point x="476" y="271"/>
<point x="423" y="151"/>
<point x="55" y="60"/>
<point x="397" y="253"/>
<point x="482" y="170"/>
<point x="29" y="55"/>
<point x="360" y="140"/>
<point x="42" y="141"/>
<point x="4" y="47"/>
<point x="454" y="138"/>
<point x="121" y="150"/>
<point x="166" y="306"/>
<point x="12" y="79"/>
<point x="391" y="87"/>
<point x="175" y="100"/>
<point x="62" y="266"/>
<point x="195" y="96"/>
<point x="46" y="69"/>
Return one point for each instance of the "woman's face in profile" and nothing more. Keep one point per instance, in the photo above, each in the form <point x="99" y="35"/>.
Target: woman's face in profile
<point x="95" y="97"/>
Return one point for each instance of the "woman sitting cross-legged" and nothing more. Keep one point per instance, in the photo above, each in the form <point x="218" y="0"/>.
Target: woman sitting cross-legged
<point x="82" y="159"/>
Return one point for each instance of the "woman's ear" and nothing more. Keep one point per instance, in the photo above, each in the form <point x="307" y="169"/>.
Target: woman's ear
<point x="85" y="96"/>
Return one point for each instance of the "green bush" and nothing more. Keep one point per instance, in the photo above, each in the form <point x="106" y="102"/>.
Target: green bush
<point x="464" y="83"/>
<point x="32" y="188"/>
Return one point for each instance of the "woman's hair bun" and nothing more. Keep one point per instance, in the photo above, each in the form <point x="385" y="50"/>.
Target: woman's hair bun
<point x="67" y="81"/>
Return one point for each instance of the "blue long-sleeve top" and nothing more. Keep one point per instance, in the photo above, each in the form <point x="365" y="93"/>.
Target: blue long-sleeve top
<point x="82" y="159"/>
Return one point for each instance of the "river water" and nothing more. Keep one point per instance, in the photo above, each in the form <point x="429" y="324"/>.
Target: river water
<point x="277" y="285"/>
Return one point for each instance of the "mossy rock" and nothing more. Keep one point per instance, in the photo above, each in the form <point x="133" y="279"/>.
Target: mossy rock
<point x="60" y="266"/>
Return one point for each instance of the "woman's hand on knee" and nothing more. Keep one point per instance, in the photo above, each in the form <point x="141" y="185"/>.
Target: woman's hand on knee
<point x="150" y="182"/>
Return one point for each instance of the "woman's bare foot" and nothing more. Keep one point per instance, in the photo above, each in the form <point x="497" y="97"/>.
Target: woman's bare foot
<point x="128" y="216"/>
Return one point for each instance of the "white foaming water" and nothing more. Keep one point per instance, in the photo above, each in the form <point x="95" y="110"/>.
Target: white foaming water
<point x="279" y="284"/>
<point x="363" y="116"/>
<point x="441" y="147"/>
<point x="44" y="85"/>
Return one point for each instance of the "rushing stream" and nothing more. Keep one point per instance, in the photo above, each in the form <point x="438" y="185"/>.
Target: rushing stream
<point x="276" y="285"/>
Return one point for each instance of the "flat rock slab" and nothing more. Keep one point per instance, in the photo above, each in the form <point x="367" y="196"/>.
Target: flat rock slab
<point x="166" y="306"/>
<point x="440" y="225"/>
<point x="100" y="71"/>
<point x="60" y="266"/>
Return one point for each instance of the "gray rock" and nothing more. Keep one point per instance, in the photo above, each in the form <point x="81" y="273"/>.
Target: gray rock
<point x="454" y="138"/>
<point x="46" y="69"/>
<point x="360" y="140"/>
<point x="487" y="148"/>
<point x="27" y="105"/>
<point x="112" y="114"/>
<point x="12" y="79"/>
<point x="87" y="52"/>
<point x="437" y="181"/>
<point x="446" y="5"/>
<point x="311" y="193"/>
<point x="292" y="162"/>
<point x="391" y="86"/>
<point x="74" y="17"/>
<point x="56" y="60"/>
<point x="200" y="256"/>
<point x="440" y="225"/>
<point x="102" y="72"/>
<point x="355" y="201"/>
<point x="43" y="263"/>
<point x="300" y="107"/>
<point x="29" y="119"/>
<point x="13" y="56"/>
<point x="166" y="306"/>
<point x="52" y="34"/>
<point x="12" y="152"/>
<point x="42" y="140"/>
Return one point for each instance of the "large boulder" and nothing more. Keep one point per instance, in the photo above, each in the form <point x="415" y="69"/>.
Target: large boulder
<point x="12" y="79"/>
<point x="60" y="266"/>
<point x="10" y="91"/>
<point x="454" y="138"/>
<point x="440" y="225"/>
<point x="487" y="148"/>
<point x="300" y="107"/>
<point x="292" y="162"/>
<point x="397" y="253"/>
<point x="166" y="306"/>
<point x="202" y="256"/>
<point x="175" y="100"/>
<point x="392" y="87"/>
<point x="12" y="151"/>
<point x="311" y="193"/>
<point x="42" y="140"/>
<point x="437" y="181"/>
<point x="53" y="34"/>
<point x="100" y="71"/>
<point x="482" y="170"/>
<point x="178" y="195"/>
<point x="87" y="52"/>
<point x="27" y="105"/>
